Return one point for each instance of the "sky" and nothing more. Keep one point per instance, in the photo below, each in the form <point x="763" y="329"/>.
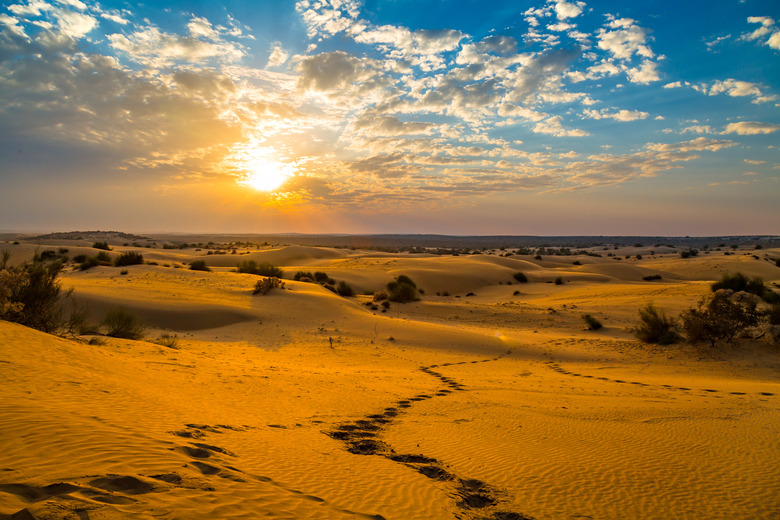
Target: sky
<point x="550" y="117"/>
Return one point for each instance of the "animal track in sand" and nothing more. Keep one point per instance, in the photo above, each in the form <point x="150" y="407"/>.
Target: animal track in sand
<point x="556" y="367"/>
<point x="470" y="495"/>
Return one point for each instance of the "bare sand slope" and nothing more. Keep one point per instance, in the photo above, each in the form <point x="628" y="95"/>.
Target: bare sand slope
<point x="304" y="404"/>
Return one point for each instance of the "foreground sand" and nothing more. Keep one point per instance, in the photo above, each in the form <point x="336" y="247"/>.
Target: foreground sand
<point x="495" y="405"/>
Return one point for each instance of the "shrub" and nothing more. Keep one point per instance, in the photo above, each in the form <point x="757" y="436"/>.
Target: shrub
<point x="264" y="286"/>
<point x="689" y="253"/>
<point x="321" y="277"/>
<point x="89" y="263"/>
<point x="655" y="327"/>
<point x="261" y="269"/>
<point x="344" y="289"/>
<point x="104" y="258"/>
<point x="739" y="282"/>
<point x="101" y="245"/>
<point x="520" y="277"/>
<point x="538" y="257"/>
<point x="777" y="262"/>
<point x="124" y="272"/>
<point x="379" y="296"/>
<point x="166" y="340"/>
<point x="651" y="277"/>
<point x="718" y="317"/>
<point x="559" y="281"/>
<point x="591" y="322"/>
<point x="199" y="265"/>
<point x="79" y="258"/>
<point x="30" y="294"/>
<point x="121" y="324"/>
<point x="576" y="262"/>
<point x="304" y="274"/>
<point x="129" y="258"/>
<point x="402" y="290"/>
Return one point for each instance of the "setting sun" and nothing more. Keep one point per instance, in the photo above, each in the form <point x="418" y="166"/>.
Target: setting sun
<point x="265" y="175"/>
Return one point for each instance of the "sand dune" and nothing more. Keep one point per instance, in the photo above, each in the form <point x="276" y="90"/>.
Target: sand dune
<point x="304" y="404"/>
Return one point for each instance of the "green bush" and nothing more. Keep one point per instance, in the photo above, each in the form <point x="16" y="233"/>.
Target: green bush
<point x="104" y="258"/>
<point x="718" y="318"/>
<point x="739" y="282"/>
<point x="651" y="277"/>
<point x="402" y="290"/>
<point x="101" y="245"/>
<point x="79" y="258"/>
<point x="119" y="323"/>
<point x="520" y="277"/>
<point x="89" y="263"/>
<point x="30" y="294"/>
<point x="559" y="281"/>
<point x="591" y="322"/>
<point x="129" y="258"/>
<point x="321" y="277"/>
<point x="260" y="269"/>
<point x="344" y="289"/>
<point x="655" y="327"/>
<point x="304" y="274"/>
<point x="199" y="265"/>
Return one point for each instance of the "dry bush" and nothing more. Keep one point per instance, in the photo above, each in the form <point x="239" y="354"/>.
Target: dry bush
<point x="655" y="327"/>
<point x="266" y="285"/>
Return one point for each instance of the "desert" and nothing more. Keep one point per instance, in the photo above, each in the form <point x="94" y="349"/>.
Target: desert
<point x="484" y="398"/>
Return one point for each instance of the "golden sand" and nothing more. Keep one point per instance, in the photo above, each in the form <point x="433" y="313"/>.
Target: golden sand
<point x="301" y="404"/>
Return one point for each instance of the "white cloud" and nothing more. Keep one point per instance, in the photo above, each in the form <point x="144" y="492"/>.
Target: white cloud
<point x="553" y="126"/>
<point x="13" y="25"/>
<point x="332" y="71"/>
<point x="153" y="47"/>
<point x="114" y="18"/>
<point x="644" y="74"/>
<point x="750" y="128"/>
<point x="767" y="29"/>
<point x="564" y="9"/>
<point x="620" y="115"/>
<point x="752" y="161"/>
<point x="736" y="88"/>
<point x="623" y="38"/>
<point x="695" y="145"/>
<point x="697" y="129"/>
<point x="201" y="28"/>
<point x="73" y="24"/>
<point x="277" y="57"/>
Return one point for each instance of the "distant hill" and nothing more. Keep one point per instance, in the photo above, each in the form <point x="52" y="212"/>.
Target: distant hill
<point x="91" y="235"/>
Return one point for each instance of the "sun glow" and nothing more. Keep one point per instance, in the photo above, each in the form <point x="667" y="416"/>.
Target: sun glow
<point x="266" y="175"/>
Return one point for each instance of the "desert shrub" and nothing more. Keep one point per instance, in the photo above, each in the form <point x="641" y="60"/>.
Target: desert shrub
<point x="344" y="289"/>
<point x="89" y="263"/>
<point x="516" y="293"/>
<point x="559" y="281"/>
<point x="591" y="322"/>
<point x="261" y="269"/>
<point x="402" y="290"/>
<point x="777" y="262"/>
<point x="264" y="286"/>
<point x="304" y="274"/>
<point x="322" y="277"/>
<point x="119" y="323"/>
<point x="719" y="318"/>
<point x="103" y="258"/>
<point x="63" y="250"/>
<point x="124" y="272"/>
<point x="520" y="277"/>
<point x="329" y="287"/>
<point x="199" y="265"/>
<point x="79" y="258"/>
<point x="538" y="257"/>
<point x="101" y="245"/>
<point x="689" y="253"/>
<point x="166" y="340"/>
<point x="650" y="278"/>
<point x="576" y="262"/>
<point x="386" y="304"/>
<point x="379" y="296"/>
<point x="49" y="254"/>
<point x="30" y="294"/>
<point x="739" y="282"/>
<point x="129" y="258"/>
<point x="655" y="327"/>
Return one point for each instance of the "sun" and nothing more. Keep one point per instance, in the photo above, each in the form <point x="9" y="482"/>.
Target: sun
<point x="266" y="175"/>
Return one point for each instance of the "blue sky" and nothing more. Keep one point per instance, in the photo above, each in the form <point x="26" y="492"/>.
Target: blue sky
<point x="547" y="117"/>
